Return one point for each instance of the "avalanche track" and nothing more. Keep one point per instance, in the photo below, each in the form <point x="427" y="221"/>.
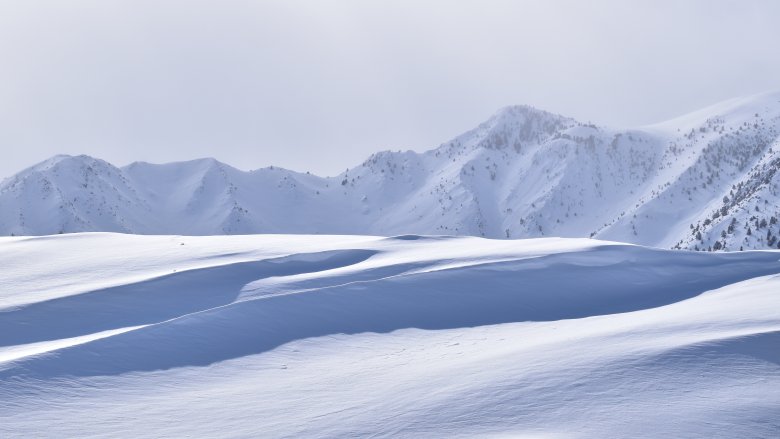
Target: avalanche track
<point x="106" y="335"/>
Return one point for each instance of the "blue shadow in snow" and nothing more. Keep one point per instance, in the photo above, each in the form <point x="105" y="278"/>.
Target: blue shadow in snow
<point x="155" y="300"/>
<point x="606" y="280"/>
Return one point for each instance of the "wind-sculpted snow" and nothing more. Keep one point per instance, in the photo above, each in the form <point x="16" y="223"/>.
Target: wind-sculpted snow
<point x="409" y="336"/>
<point x="705" y="181"/>
<point x="154" y="300"/>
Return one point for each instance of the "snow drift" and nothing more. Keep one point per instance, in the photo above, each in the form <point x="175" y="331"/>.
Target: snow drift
<point x="411" y="336"/>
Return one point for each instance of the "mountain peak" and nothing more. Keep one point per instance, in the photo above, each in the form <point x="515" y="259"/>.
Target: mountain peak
<point x="60" y="161"/>
<point x="199" y="163"/>
<point x="525" y="111"/>
<point x="524" y="172"/>
<point x="514" y="125"/>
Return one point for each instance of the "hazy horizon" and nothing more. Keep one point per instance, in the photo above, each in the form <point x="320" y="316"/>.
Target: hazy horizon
<point x="318" y="87"/>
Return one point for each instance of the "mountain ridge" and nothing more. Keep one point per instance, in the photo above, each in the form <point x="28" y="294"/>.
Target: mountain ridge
<point x="703" y="181"/>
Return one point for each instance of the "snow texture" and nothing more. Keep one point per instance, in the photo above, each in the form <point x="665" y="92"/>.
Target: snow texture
<point x="111" y="335"/>
<point x="705" y="181"/>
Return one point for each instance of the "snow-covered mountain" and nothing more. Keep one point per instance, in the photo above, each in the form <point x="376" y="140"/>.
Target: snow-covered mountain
<point x="707" y="180"/>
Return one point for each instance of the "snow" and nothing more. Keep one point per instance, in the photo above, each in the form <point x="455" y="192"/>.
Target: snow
<point x="111" y="335"/>
<point x="697" y="182"/>
<point x="32" y="349"/>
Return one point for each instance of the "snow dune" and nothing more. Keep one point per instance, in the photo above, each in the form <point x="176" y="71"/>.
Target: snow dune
<point x="411" y="336"/>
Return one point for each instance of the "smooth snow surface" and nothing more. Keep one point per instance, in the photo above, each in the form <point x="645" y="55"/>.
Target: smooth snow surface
<point x="106" y="335"/>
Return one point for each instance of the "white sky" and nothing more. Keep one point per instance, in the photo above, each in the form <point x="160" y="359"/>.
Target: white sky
<point x="319" y="85"/>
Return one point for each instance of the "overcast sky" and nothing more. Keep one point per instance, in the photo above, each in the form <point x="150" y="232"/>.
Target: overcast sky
<point x="319" y="85"/>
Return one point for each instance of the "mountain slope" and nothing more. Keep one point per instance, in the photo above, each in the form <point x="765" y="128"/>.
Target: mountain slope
<point x="707" y="180"/>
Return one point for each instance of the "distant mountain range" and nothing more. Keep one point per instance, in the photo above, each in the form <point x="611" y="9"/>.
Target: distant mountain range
<point x="704" y="181"/>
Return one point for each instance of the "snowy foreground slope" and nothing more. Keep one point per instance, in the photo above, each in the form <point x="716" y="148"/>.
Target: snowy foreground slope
<point x="705" y="181"/>
<point x="107" y="335"/>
